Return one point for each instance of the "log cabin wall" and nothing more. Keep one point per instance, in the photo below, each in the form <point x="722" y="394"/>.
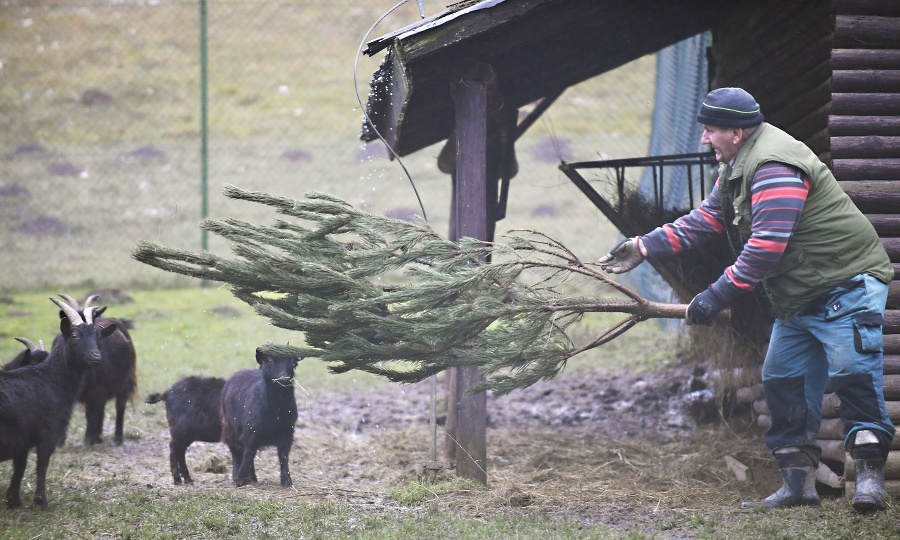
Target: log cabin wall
<point x="864" y="127"/>
<point x="829" y="74"/>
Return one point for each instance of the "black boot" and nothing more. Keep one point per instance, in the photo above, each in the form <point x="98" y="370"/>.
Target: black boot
<point x="798" y="472"/>
<point x="870" y="494"/>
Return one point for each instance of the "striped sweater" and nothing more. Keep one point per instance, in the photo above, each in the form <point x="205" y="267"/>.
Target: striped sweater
<point x="778" y="193"/>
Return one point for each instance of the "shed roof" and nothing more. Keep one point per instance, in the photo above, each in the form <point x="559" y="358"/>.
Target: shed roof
<point x="537" y="48"/>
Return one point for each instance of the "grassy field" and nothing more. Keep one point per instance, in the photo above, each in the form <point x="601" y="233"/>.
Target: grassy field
<point x="354" y="480"/>
<point x="101" y="149"/>
<point x="102" y="141"/>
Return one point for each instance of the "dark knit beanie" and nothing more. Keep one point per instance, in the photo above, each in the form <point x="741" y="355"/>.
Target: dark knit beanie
<point x="729" y="107"/>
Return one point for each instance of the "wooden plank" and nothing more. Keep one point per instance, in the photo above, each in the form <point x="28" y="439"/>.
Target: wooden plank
<point x="893" y="300"/>
<point x="866" y="169"/>
<point x="875" y="201"/>
<point x="470" y="95"/>
<point x="891" y="321"/>
<point x="892" y="246"/>
<point x="892" y="346"/>
<point x="885" y="224"/>
<point x="892" y="364"/>
<point x="874" y="146"/>
<point x="865" y="58"/>
<point x="840" y="125"/>
<point x="858" y="31"/>
<point x="886" y="8"/>
<point x="866" y="80"/>
<point x="865" y="104"/>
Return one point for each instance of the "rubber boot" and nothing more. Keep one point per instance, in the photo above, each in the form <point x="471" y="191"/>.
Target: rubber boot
<point x="798" y="473"/>
<point x="870" y="494"/>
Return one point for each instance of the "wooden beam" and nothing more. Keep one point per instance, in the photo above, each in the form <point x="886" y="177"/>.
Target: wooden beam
<point x="840" y="125"/>
<point x="866" y="169"/>
<point x="865" y="58"/>
<point x="885" y="224"/>
<point x="470" y="96"/>
<point x="874" y="146"/>
<point x="861" y="80"/>
<point x="861" y="31"/>
<point x="865" y="104"/>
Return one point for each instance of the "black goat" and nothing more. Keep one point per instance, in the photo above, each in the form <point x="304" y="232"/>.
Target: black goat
<point x="36" y="401"/>
<point x="115" y="377"/>
<point x="30" y="356"/>
<point x="192" y="410"/>
<point x="258" y="410"/>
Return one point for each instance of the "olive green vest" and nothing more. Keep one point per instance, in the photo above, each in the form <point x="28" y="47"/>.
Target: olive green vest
<point x="833" y="240"/>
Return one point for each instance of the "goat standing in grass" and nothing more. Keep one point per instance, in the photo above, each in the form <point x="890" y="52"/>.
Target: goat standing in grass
<point x="192" y="410"/>
<point x="36" y="401"/>
<point x="259" y="409"/>
<point x="115" y="377"/>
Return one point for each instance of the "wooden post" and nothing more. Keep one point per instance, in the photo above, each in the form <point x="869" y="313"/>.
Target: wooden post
<point x="467" y="416"/>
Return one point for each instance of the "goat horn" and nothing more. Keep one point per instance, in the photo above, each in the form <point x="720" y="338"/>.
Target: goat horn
<point x="41" y="341"/>
<point x="88" y="312"/>
<point x="71" y="301"/>
<point x="89" y="299"/>
<point x="27" y="343"/>
<point x="71" y="313"/>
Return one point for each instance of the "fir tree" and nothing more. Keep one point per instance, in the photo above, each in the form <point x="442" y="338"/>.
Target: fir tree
<point x="396" y="299"/>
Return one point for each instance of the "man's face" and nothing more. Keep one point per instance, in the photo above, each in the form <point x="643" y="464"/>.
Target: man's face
<point x="725" y="141"/>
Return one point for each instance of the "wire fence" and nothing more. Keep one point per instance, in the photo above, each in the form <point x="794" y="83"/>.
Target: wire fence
<point x="101" y="104"/>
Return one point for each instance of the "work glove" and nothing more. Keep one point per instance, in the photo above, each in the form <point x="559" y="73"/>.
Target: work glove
<point x="624" y="257"/>
<point x="703" y="309"/>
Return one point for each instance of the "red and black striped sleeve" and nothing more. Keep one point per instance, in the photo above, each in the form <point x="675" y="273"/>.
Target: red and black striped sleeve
<point x="778" y="193"/>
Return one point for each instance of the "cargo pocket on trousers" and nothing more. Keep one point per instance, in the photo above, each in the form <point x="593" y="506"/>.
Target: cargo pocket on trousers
<point x="867" y="336"/>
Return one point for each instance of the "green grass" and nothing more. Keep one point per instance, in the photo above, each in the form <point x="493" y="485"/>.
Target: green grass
<point x="681" y="489"/>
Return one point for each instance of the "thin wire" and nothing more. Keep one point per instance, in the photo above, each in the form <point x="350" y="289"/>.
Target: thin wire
<point x="411" y="183"/>
<point x="366" y="114"/>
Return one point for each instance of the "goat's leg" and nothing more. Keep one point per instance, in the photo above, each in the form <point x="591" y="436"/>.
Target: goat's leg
<point x="121" y="401"/>
<point x="246" y="474"/>
<point x="176" y="455"/>
<point x="13" y="500"/>
<point x="43" y="462"/>
<point x="237" y="457"/>
<point x="284" y="449"/>
<point x="93" y="414"/>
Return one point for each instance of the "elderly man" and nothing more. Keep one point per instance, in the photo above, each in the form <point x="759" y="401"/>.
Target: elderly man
<point x="825" y="274"/>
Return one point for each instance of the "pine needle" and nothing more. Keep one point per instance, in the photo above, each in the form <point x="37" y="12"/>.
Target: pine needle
<point x="396" y="299"/>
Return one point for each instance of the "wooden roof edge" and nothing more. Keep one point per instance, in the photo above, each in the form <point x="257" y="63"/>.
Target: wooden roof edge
<point x="451" y="13"/>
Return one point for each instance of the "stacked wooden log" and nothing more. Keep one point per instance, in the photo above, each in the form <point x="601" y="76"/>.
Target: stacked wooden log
<point x="864" y="127"/>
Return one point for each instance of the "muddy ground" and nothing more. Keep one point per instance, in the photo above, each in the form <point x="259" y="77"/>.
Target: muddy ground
<point x="597" y="446"/>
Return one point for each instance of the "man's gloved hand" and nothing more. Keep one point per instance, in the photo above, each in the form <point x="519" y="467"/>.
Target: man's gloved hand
<point x="703" y="309"/>
<point x="624" y="257"/>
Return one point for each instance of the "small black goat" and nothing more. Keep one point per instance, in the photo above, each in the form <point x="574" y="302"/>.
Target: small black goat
<point x="36" y="401"/>
<point x="258" y="410"/>
<point x="30" y="356"/>
<point x="192" y="410"/>
<point x="115" y="377"/>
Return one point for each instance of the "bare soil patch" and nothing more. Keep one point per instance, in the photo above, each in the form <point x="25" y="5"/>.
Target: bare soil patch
<point x="602" y="447"/>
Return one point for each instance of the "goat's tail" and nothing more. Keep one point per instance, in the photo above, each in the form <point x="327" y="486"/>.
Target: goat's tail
<point x="156" y="397"/>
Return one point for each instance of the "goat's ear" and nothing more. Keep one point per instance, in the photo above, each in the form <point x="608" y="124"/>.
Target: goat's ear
<point x="297" y="360"/>
<point x="260" y="357"/>
<point x="65" y="325"/>
<point x="107" y="330"/>
<point x="99" y="311"/>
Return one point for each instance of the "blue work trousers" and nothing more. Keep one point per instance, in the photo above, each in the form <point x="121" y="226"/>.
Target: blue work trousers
<point x="836" y="337"/>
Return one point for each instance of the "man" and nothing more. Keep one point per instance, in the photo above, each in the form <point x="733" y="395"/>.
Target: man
<point x="825" y="274"/>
